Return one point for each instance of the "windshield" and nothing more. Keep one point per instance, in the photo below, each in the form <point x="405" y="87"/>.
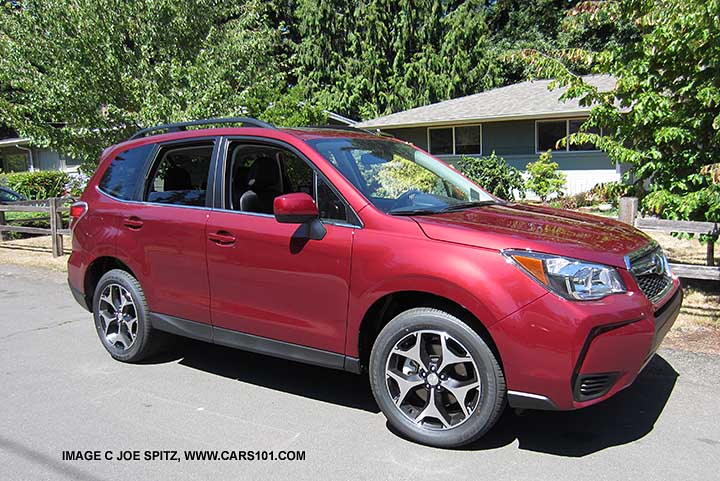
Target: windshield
<point x="399" y="179"/>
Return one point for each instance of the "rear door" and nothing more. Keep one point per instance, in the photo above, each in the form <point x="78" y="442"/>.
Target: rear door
<point x="163" y="235"/>
<point x="265" y="278"/>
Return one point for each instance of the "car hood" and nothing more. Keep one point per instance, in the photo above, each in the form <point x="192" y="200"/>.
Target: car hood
<point x="541" y="229"/>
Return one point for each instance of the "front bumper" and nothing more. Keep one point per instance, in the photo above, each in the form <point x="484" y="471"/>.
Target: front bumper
<point x="559" y="354"/>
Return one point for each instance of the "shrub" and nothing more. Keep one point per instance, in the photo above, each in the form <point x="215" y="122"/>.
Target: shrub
<point x="37" y="185"/>
<point x="544" y="178"/>
<point x="76" y="184"/>
<point x="493" y="174"/>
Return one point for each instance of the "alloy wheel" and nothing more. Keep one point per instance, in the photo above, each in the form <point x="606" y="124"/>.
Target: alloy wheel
<point x="118" y="317"/>
<point x="433" y="380"/>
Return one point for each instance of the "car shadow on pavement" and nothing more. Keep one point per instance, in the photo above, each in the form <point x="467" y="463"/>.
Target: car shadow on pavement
<point x="626" y="417"/>
<point x="314" y="382"/>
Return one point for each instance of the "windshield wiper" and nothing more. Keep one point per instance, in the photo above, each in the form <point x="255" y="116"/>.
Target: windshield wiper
<point x="414" y="211"/>
<point x="468" y="205"/>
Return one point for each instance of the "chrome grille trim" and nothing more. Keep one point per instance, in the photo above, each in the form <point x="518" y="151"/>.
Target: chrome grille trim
<point x="648" y="267"/>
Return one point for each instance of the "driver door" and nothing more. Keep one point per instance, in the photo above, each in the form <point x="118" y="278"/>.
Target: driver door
<point x="265" y="278"/>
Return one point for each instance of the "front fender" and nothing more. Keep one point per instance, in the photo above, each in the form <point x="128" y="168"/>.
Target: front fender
<point x="480" y="280"/>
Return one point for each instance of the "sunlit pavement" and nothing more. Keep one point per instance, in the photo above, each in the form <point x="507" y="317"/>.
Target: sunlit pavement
<point x="60" y="391"/>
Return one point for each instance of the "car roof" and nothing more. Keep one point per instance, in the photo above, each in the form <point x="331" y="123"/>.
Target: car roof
<point x="302" y="133"/>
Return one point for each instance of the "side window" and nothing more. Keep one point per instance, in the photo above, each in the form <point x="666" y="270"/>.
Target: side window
<point x="122" y="176"/>
<point x="329" y="204"/>
<point x="180" y="175"/>
<point x="259" y="173"/>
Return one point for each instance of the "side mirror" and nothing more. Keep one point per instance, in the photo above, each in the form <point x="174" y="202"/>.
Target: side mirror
<point x="296" y="208"/>
<point x="300" y="208"/>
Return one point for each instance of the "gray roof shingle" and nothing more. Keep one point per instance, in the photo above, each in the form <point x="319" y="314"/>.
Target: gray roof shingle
<point x="522" y="100"/>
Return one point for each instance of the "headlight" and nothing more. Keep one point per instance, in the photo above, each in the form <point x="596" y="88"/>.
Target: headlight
<point x="571" y="278"/>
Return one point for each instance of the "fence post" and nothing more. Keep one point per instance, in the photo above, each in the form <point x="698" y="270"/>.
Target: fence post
<point x="628" y="208"/>
<point x="2" y="223"/>
<point x="57" y="242"/>
<point x="711" y="252"/>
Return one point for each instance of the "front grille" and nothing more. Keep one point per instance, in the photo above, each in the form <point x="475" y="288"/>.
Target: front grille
<point x="649" y="267"/>
<point x="591" y="386"/>
<point x="653" y="285"/>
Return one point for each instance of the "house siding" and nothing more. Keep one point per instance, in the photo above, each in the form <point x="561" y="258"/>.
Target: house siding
<point x="515" y="142"/>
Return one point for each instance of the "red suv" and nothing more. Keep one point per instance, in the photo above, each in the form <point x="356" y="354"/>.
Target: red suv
<point x="350" y="250"/>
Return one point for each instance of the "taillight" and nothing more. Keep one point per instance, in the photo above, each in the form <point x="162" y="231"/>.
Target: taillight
<point x="77" y="211"/>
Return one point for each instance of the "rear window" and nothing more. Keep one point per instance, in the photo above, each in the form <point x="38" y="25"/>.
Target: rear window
<point x="121" y="178"/>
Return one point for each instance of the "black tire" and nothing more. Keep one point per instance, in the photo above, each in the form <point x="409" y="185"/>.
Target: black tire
<point x="146" y="341"/>
<point x="490" y="399"/>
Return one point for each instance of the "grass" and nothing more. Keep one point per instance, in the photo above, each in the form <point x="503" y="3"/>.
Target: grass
<point x="11" y="216"/>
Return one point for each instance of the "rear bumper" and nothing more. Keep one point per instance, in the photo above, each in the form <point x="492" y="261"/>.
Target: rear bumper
<point x="563" y="355"/>
<point x="79" y="296"/>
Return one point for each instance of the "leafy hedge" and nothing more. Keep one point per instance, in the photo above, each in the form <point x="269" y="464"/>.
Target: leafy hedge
<point x="41" y="184"/>
<point x="493" y="174"/>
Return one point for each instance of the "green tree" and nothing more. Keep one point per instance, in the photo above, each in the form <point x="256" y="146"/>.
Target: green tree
<point x="79" y="76"/>
<point x="544" y="178"/>
<point x="663" y="116"/>
<point x="374" y="57"/>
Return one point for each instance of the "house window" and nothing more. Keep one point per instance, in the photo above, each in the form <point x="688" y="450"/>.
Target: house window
<point x="467" y="140"/>
<point x="441" y="141"/>
<point x="549" y="132"/>
<point x="463" y="140"/>
<point x="574" y="127"/>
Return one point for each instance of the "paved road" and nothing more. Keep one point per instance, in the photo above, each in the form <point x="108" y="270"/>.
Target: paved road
<point x="60" y="391"/>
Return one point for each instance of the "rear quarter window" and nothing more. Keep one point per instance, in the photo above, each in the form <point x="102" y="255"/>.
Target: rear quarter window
<point x="124" y="173"/>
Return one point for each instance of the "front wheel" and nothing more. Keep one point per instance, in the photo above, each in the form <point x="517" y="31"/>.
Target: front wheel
<point x="435" y="379"/>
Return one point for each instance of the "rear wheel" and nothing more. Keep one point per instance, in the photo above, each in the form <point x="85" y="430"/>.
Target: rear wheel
<point x="435" y="379"/>
<point x="121" y="321"/>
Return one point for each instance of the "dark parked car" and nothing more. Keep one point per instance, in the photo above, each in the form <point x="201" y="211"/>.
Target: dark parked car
<point x="354" y="251"/>
<point x="8" y="195"/>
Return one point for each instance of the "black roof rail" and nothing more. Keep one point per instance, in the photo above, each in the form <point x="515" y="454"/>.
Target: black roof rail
<point x="246" y="121"/>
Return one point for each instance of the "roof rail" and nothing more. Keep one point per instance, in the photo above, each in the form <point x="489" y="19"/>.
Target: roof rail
<point x="176" y="127"/>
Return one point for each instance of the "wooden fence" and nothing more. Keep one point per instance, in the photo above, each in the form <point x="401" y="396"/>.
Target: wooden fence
<point x="628" y="214"/>
<point x="54" y="207"/>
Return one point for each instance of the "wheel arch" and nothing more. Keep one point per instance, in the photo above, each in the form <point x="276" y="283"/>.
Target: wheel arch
<point x="384" y="309"/>
<point x="96" y="270"/>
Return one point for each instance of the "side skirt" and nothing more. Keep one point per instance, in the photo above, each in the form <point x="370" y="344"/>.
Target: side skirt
<point x="252" y="343"/>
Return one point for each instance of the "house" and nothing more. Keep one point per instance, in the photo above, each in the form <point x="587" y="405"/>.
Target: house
<point x="17" y="155"/>
<point x="517" y="122"/>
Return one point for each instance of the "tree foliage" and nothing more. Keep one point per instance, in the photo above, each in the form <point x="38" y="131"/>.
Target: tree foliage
<point x="663" y="116"/>
<point x="80" y="75"/>
<point x="543" y="177"/>
<point x="494" y="175"/>
<point x="374" y="57"/>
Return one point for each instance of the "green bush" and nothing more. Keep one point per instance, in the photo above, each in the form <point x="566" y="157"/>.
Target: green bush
<point x="544" y="178"/>
<point x="37" y="185"/>
<point x="493" y="174"/>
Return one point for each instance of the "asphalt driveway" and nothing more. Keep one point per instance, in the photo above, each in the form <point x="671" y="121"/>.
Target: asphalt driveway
<point x="60" y="391"/>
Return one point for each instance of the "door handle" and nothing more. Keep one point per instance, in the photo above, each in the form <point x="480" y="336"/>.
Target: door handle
<point x="223" y="238"/>
<point x="133" y="223"/>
